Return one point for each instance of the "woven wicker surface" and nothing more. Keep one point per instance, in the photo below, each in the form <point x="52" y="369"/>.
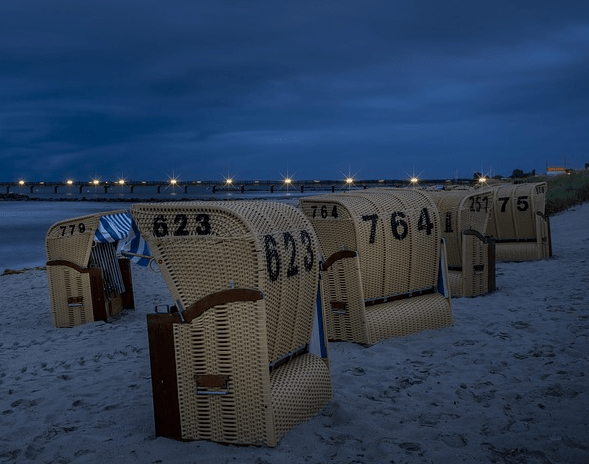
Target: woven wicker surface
<point x="404" y="317"/>
<point x="71" y="241"/>
<point x="462" y="210"/>
<point x="519" y="223"/>
<point x="207" y="247"/>
<point x="343" y="299"/>
<point x="65" y="283"/>
<point x="263" y="245"/>
<point x="396" y="233"/>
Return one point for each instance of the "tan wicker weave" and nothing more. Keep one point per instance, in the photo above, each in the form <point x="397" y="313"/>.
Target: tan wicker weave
<point x="78" y="289"/>
<point x="383" y="249"/>
<point x="204" y="248"/>
<point x="464" y="216"/>
<point x="519" y="224"/>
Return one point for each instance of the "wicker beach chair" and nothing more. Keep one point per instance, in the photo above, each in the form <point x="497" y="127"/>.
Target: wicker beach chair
<point x="237" y="363"/>
<point x="470" y="251"/>
<point x="88" y="281"/>
<point x="519" y="224"/>
<point x="382" y="274"/>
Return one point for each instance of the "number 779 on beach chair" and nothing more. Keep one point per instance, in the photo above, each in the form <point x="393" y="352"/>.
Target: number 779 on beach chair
<point x="236" y="361"/>
<point x="89" y="278"/>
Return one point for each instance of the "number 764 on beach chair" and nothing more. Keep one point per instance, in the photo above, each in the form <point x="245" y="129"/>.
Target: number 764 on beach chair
<point x="385" y="271"/>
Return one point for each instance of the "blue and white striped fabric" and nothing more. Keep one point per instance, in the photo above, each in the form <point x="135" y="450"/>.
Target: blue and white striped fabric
<point x="113" y="228"/>
<point x="122" y="228"/>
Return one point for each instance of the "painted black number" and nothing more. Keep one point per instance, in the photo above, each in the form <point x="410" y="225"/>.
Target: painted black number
<point x="374" y="219"/>
<point x="309" y="258"/>
<point x="272" y="258"/>
<point x="398" y="222"/>
<point x="203" y="226"/>
<point x="289" y="242"/>
<point x="324" y="211"/>
<point x="522" y="203"/>
<point x="504" y="205"/>
<point x="449" y="222"/>
<point x="425" y="222"/>
<point x="160" y="227"/>
<point x="72" y="227"/>
<point x="182" y="220"/>
<point x="476" y="204"/>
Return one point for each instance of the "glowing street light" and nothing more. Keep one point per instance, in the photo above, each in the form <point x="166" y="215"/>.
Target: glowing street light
<point x="173" y="181"/>
<point x="96" y="182"/>
<point x="482" y="180"/>
<point x="288" y="181"/>
<point x="69" y="182"/>
<point x="121" y="181"/>
<point x="21" y="182"/>
<point x="414" y="180"/>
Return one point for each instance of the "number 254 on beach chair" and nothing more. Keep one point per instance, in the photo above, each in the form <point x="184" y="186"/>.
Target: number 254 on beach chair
<point x="244" y="359"/>
<point x="88" y="279"/>
<point x="471" y="252"/>
<point x="384" y="273"/>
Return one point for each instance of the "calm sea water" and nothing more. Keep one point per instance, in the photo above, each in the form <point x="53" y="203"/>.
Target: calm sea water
<point x="24" y="224"/>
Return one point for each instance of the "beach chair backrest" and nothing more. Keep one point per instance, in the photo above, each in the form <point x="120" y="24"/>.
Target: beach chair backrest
<point x="396" y="233"/>
<point x="72" y="239"/>
<point x="516" y="210"/>
<point x="462" y="210"/>
<point x="208" y="247"/>
<point x="87" y="281"/>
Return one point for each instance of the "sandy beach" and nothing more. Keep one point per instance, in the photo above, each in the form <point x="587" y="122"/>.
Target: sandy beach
<point x="507" y="383"/>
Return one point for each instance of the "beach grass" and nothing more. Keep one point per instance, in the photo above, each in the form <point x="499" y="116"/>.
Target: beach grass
<point x="564" y="191"/>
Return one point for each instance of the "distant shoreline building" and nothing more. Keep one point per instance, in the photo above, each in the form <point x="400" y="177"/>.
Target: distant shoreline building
<point x="555" y="171"/>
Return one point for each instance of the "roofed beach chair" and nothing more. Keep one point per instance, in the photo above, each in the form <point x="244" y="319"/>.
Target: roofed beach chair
<point x="89" y="280"/>
<point x="519" y="224"/>
<point x="471" y="252"/>
<point x="242" y="357"/>
<point x="384" y="271"/>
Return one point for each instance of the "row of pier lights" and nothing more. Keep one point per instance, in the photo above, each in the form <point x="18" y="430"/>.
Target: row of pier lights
<point x="227" y="183"/>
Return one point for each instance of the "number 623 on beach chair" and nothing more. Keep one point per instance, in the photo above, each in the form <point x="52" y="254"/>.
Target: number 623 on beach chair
<point x="242" y="357"/>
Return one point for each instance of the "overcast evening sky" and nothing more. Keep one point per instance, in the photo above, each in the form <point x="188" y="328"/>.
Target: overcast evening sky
<point x="257" y="89"/>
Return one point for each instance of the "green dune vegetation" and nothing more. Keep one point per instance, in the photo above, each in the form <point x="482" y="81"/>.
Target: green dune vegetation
<point x="565" y="191"/>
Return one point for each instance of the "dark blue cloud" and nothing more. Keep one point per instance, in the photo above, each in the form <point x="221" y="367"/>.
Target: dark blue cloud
<point x="257" y="88"/>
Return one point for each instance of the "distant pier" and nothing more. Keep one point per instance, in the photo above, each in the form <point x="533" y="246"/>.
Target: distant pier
<point x="271" y="186"/>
